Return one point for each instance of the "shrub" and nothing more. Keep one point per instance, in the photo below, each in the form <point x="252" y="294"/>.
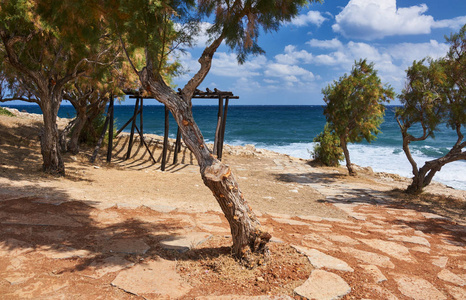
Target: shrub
<point x="327" y="148"/>
<point x="6" y="112"/>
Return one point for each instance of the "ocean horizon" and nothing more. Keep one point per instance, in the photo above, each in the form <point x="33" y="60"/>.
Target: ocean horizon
<point x="290" y="129"/>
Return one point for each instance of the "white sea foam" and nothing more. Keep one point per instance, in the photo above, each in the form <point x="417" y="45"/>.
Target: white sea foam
<point x="385" y="159"/>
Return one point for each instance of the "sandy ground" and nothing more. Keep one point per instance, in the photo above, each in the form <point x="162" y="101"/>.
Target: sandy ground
<point x="274" y="184"/>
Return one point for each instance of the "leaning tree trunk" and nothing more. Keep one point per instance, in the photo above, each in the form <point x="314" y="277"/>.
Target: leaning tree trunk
<point x="247" y="235"/>
<point x="49" y="140"/>
<point x="349" y="165"/>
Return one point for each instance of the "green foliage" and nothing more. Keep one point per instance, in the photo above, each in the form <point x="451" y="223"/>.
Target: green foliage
<point x="92" y="130"/>
<point x="327" y="148"/>
<point x="354" y="103"/>
<point x="435" y="93"/>
<point x="5" y="112"/>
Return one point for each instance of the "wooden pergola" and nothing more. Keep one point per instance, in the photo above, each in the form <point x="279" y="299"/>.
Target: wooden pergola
<point x="138" y="111"/>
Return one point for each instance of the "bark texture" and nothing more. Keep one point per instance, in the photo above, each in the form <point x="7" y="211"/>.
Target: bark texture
<point x="248" y="237"/>
<point x="349" y="165"/>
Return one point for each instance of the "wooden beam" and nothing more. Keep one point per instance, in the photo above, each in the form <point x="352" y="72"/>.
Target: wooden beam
<point x="165" y="140"/>
<point x="222" y="130"/>
<point x="177" y="146"/>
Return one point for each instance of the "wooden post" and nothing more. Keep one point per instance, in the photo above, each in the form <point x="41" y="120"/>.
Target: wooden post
<point x="165" y="140"/>
<point x="140" y="118"/>
<point x="219" y="124"/>
<point x="177" y="146"/>
<point x="130" y="144"/>
<point x="222" y="131"/>
<point x="111" y="108"/>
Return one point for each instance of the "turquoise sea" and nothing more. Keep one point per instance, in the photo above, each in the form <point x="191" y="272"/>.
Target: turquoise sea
<point x="291" y="129"/>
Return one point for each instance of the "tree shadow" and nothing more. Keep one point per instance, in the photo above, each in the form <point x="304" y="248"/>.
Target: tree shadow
<point x="38" y="227"/>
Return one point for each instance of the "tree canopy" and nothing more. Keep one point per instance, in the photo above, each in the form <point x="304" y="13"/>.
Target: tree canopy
<point x="355" y="107"/>
<point x="435" y="94"/>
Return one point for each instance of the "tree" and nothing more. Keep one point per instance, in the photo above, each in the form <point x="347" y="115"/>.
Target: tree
<point x="435" y="94"/>
<point x="151" y="25"/>
<point x="355" y="107"/>
<point x="327" y="148"/>
<point x="43" y="56"/>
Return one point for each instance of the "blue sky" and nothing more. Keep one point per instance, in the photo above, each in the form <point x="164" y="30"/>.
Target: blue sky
<point x="323" y="42"/>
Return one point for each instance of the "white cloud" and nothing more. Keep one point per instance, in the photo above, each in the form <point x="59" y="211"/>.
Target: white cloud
<point x="292" y="56"/>
<point x="372" y="19"/>
<point x="454" y="24"/>
<point x="312" y="17"/>
<point x="289" y="75"/>
<point x="226" y="64"/>
<point x="325" y="44"/>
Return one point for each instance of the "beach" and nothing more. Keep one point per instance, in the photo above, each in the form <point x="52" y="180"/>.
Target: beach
<point x="102" y="224"/>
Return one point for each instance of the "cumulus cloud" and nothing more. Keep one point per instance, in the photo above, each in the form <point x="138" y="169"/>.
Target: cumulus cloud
<point x="373" y="19"/>
<point x="325" y="44"/>
<point x="226" y="64"/>
<point x="454" y="24"/>
<point x="292" y="56"/>
<point x="312" y="17"/>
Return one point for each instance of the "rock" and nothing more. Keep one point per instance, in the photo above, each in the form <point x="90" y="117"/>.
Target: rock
<point x="411" y="239"/>
<point x="63" y="252"/>
<point x="129" y="246"/>
<point x="342" y="239"/>
<point x="440" y="261"/>
<point x="374" y="272"/>
<point x="393" y="249"/>
<point x="369" y="257"/>
<point x="449" y="276"/>
<point x="320" y="260"/>
<point x="457" y="292"/>
<point x="183" y="243"/>
<point x="153" y="278"/>
<point x="108" y="265"/>
<point x="417" y="288"/>
<point x="290" y="222"/>
<point x="323" y="285"/>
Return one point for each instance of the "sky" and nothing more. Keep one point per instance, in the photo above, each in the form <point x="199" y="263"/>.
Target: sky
<point x="322" y="43"/>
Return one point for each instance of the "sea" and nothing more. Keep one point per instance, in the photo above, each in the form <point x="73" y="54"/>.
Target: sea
<point x="291" y="130"/>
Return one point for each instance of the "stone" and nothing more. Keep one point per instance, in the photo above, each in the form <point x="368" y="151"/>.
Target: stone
<point x="417" y="288"/>
<point x="421" y="249"/>
<point x="161" y="208"/>
<point x="451" y="277"/>
<point x="432" y="216"/>
<point x="153" y="277"/>
<point x="411" y="239"/>
<point x="108" y="265"/>
<point x="242" y="297"/>
<point x="311" y="218"/>
<point x="457" y="292"/>
<point x="323" y="285"/>
<point x="369" y="257"/>
<point x="64" y="252"/>
<point x="183" y="243"/>
<point x="381" y="293"/>
<point x="13" y="247"/>
<point x="440" y="261"/>
<point x="374" y="272"/>
<point x="321" y="260"/>
<point x="18" y="278"/>
<point x="342" y="239"/>
<point x="393" y="249"/>
<point x="129" y="246"/>
<point x="290" y="222"/>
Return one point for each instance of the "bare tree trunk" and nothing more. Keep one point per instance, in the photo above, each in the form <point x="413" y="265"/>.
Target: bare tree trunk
<point x="247" y="235"/>
<point x="49" y="140"/>
<point x="80" y="121"/>
<point x="349" y="165"/>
